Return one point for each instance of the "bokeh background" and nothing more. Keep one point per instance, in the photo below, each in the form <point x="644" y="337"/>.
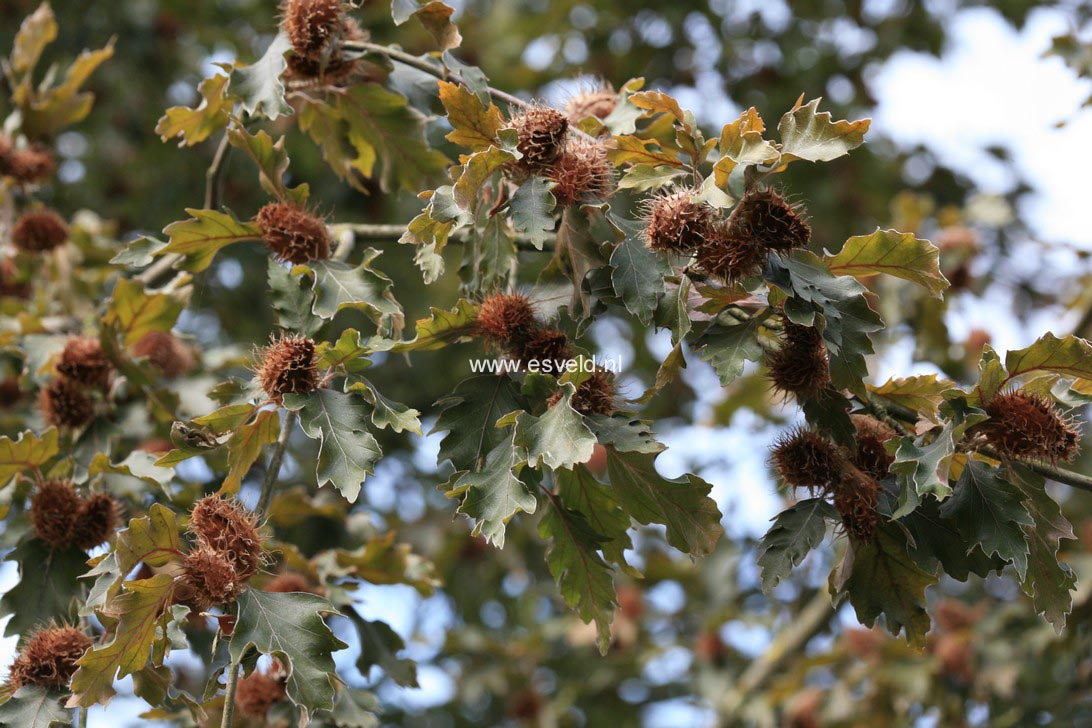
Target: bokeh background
<point x="981" y="141"/>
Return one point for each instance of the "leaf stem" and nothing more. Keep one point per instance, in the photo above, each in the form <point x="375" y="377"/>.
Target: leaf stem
<point x="229" y="696"/>
<point x="274" y="468"/>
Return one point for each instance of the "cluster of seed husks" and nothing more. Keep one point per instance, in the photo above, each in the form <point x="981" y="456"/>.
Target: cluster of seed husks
<point x="39" y="231"/>
<point x="227" y="552"/>
<point x="763" y="222"/>
<point x="800" y="366"/>
<point x="599" y="102"/>
<point x="257" y="692"/>
<point x="578" y="166"/>
<point x="63" y="519"/>
<point x="287" y="366"/>
<point x="293" y="234"/>
<point x="315" y="30"/>
<point x="808" y="459"/>
<point x="83" y="374"/>
<point x="507" y="321"/>
<point x="164" y="352"/>
<point x="48" y="659"/>
<point x="1024" y="425"/>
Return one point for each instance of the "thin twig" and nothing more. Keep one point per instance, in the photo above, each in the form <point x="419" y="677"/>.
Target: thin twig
<point x="393" y="232"/>
<point x="274" y="468"/>
<point x="422" y="65"/>
<point x="213" y="175"/>
<point x="805" y="625"/>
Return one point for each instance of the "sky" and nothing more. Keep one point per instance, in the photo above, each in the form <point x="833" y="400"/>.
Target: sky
<point x="991" y="87"/>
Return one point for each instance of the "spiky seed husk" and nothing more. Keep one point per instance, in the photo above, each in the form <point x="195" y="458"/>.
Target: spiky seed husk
<point x="1024" y="425"/>
<point x="807" y="459"/>
<point x="288" y="367"/>
<point x="596" y="395"/>
<point x="729" y="257"/>
<point x="506" y="319"/>
<point x="293" y="234"/>
<point x="256" y="693"/>
<point x="48" y="659"/>
<point x="54" y="509"/>
<point x="855" y="498"/>
<point x="39" y="231"/>
<point x="96" y="521"/>
<point x="164" y="352"/>
<point x="64" y="403"/>
<point x="674" y="224"/>
<point x="315" y="29"/>
<point x="27" y="166"/>
<point x="84" y="361"/>
<point x="226" y="526"/>
<point x="208" y="579"/>
<point x="871" y="455"/>
<point x="800" y="366"/>
<point x="581" y="172"/>
<point x="541" y="132"/>
<point x="599" y="102"/>
<point x="289" y="581"/>
<point x="545" y="345"/>
<point x="767" y="218"/>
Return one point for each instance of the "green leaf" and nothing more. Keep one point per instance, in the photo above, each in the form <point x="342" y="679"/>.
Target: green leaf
<point x="198" y="124"/>
<point x="922" y="393"/>
<point x="625" y="434"/>
<point x="348" y="352"/>
<point x="470" y="414"/>
<point x="443" y="327"/>
<point x="259" y="85"/>
<point x="474" y="126"/>
<point x="922" y="468"/>
<point x="897" y="254"/>
<point x="436" y="17"/>
<point x="245" y="446"/>
<point x="1048" y="582"/>
<point x="48" y="589"/>
<point x="477" y="168"/>
<point x="493" y="494"/>
<point x="682" y="504"/>
<point x="27" y="453"/>
<point x="32" y="707"/>
<point x="292" y="298"/>
<point x="581" y="492"/>
<point x="645" y="177"/>
<point x="137" y="464"/>
<point x="152" y="539"/>
<point x="1069" y="356"/>
<point x="384" y="129"/>
<point x="379" y="645"/>
<point x="559" y="438"/>
<point x="201" y="237"/>
<point x="135" y="312"/>
<point x="638" y="276"/>
<point x="272" y="162"/>
<point x="989" y="511"/>
<point x="532" y="210"/>
<point x="381" y="561"/>
<point x="339" y="286"/>
<point x="936" y="540"/>
<point x="583" y="577"/>
<point x="847" y="317"/>
<point x="347" y="451"/>
<point x="290" y="627"/>
<point x="812" y="135"/>
<point x="142" y="614"/>
<point x="795" y="532"/>
<point x="884" y="580"/>
<point x="726" y="348"/>
<point x="37" y="30"/>
<point x="388" y="413"/>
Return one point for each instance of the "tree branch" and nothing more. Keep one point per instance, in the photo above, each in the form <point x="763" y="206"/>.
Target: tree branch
<point x="275" y="460"/>
<point x="394" y="231"/>
<point x="421" y="65"/>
